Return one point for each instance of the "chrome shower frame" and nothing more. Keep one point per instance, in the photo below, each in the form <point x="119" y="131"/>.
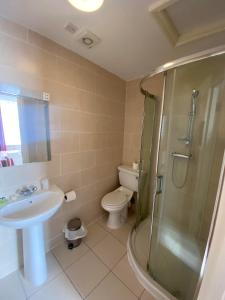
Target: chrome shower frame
<point x="180" y="62"/>
<point x="162" y="69"/>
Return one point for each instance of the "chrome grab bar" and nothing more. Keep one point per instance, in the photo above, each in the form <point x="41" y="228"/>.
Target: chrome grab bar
<point x="180" y="155"/>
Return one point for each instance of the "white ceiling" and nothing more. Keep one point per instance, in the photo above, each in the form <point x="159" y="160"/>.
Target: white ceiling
<point x="132" y="43"/>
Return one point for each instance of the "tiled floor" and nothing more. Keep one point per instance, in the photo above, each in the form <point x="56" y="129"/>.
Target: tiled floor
<point x="97" y="270"/>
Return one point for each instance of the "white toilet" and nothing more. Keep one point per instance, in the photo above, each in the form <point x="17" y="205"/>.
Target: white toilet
<point x="116" y="202"/>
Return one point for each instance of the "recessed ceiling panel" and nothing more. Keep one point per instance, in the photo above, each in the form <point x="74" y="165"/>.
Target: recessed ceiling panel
<point x="192" y="14"/>
<point x="185" y="21"/>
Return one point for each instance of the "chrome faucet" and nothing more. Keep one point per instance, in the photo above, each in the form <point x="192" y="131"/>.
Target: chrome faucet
<point x="27" y="190"/>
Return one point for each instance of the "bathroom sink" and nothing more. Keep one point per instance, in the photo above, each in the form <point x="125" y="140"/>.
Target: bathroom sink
<point x="32" y="209"/>
<point x="29" y="213"/>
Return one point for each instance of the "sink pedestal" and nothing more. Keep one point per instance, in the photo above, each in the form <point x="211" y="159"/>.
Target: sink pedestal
<point x="29" y="214"/>
<point x="35" y="268"/>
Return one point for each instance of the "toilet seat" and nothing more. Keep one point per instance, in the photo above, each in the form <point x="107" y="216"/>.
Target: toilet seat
<point x="117" y="199"/>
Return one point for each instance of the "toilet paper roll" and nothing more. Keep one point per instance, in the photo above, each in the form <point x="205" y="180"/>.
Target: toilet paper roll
<point x="70" y="196"/>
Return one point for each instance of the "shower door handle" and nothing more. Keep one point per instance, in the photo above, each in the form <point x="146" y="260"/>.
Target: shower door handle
<point x="181" y="155"/>
<point x="159" y="184"/>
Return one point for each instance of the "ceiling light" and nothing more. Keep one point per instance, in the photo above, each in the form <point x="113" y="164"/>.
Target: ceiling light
<point x="87" y="5"/>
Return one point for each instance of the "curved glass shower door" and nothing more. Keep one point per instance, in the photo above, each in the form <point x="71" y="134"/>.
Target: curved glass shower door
<point x="145" y="158"/>
<point x="192" y="145"/>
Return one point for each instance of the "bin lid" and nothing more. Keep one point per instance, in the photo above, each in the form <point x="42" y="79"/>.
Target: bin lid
<point x="74" y="224"/>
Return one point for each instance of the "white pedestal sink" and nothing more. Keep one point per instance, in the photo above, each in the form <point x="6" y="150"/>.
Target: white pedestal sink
<point x="29" y="214"/>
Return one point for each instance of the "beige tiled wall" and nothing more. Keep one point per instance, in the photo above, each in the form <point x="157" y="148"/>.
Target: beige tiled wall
<point x="134" y="109"/>
<point x="86" y="123"/>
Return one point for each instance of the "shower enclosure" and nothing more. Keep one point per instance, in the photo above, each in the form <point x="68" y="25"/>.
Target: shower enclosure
<point x="179" y="175"/>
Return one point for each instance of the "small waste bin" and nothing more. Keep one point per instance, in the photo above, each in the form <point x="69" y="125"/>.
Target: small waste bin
<point x="74" y="232"/>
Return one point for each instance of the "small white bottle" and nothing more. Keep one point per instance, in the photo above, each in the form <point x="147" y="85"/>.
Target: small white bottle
<point x="135" y="166"/>
<point x="44" y="184"/>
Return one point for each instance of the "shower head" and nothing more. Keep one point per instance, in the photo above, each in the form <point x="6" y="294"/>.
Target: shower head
<point x="195" y="93"/>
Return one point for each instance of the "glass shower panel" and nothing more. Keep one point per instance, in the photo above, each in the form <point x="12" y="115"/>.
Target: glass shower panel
<point x="192" y="145"/>
<point x="145" y="155"/>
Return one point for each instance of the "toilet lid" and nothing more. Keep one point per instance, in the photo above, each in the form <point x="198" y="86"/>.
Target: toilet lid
<point x="117" y="198"/>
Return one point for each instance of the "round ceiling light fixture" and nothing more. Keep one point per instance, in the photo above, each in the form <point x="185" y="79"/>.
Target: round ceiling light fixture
<point x="87" y="5"/>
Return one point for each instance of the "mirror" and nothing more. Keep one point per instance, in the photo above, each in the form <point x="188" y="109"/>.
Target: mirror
<point x="24" y="130"/>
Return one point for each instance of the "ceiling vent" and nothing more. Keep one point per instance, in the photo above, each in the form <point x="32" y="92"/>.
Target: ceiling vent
<point x="71" y="28"/>
<point x="88" y="39"/>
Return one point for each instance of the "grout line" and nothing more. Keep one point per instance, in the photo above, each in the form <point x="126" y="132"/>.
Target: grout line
<point x="125" y="285"/>
<point x="95" y="221"/>
<point x="124" y="244"/>
<point x="21" y="283"/>
<point x="98" y="284"/>
<point x="57" y="259"/>
<point x="67" y="276"/>
<point x="47" y="282"/>
<point x="61" y="272"/>
<point x="142" y="294"/>
<point x="73" y="284"/>
<point x="125" y="255"/>
<point x="99" y="258"/>
<point x="44" y="285"/>
<point x="114" y="266"/>
<point x="57" y="57"/>
<point x="97" y="71"/>
<point x="111" y="232"/>
<point x="109" y="269"/>
<point x="90" y="250"/>
<point x="72" y="263"/>
<point x="119" y="261"/>
<point x="106" y="115"/>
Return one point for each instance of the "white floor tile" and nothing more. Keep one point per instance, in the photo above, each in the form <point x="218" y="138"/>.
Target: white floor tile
<point x="147" y="296"/>
<point x="95" y="234"/>
<point x="11" y="288"/>
<point x="86" y="273"/>
<point x="122" y="233"/>
<point x="111" y="288"/>
<point x="59" y="288"/>
<point x="53" y="270"/>
<point x="102" y="221"/>
<point x="132" y="219"/>
<point x="110" y="250"/>
<point x="124" y="272"/>
<point x="66" y="256"/>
